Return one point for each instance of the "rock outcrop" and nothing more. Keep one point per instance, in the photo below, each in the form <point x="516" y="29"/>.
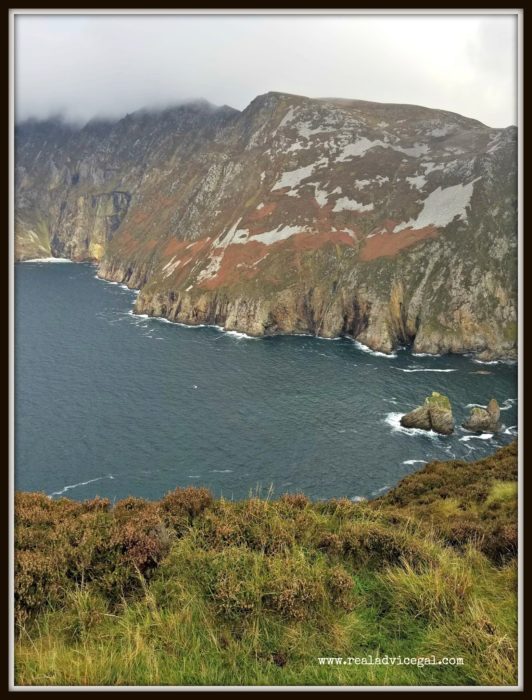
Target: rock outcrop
<point x="435" y="414"/>
<point x="484" y="420"/>
<point x="391" y="224"/>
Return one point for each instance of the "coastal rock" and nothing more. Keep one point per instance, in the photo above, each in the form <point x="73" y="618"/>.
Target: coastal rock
<point x="418" y="418"/>
<point x="435" y="414"/>
<point x="484" y="420"/>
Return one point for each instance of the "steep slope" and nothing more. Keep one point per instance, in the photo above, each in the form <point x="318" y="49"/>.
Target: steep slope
<point x="392" y="224"/>
<point x="190" y="590"/>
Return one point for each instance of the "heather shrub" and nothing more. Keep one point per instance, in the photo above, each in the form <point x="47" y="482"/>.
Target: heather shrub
<point x="39" y="583"/>
<point x="297" y="589"/>
<point x="373" y="544"/>
<point x="189" y="501"/>
<point x="142" y="540"/>
<point x="290" y="502"/>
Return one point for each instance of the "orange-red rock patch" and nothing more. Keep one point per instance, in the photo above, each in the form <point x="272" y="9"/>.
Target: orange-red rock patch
<point x="389" y="244"/>
<point x="238" y="263"/>
<point x="262" y="213"/>
<point x="313" y="241"/>
<point x="242" y="261"/>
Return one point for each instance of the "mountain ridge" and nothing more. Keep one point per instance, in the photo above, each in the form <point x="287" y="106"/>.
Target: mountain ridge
<point x="393" y="224"/>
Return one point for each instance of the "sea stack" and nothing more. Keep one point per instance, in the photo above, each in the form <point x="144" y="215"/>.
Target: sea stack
<point x="484" y="420"/>
<point x="435" y="414"/>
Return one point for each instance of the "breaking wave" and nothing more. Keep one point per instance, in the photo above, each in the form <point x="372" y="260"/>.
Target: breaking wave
<point x="375" y="353"/>
<point x="484" y="436"/>
<point x="425" y="370"/>
<point x="81" y="483"/>
<point x="47" y="260"/>
<point x="394" y="420"/>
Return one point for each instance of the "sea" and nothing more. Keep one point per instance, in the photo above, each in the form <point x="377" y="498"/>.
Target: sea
<point x="114" y="404"/>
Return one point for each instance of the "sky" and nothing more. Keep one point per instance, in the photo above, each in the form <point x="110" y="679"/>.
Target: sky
<point x="85" y="66"/>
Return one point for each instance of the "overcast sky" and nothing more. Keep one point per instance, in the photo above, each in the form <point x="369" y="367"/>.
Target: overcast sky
<point x="84" y="66"/>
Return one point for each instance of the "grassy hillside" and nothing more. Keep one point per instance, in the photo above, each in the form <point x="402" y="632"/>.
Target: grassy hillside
<point x="189" y="590"/>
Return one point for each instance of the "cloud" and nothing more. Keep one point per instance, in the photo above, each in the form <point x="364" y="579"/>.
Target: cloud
<point x="108" y="65"/>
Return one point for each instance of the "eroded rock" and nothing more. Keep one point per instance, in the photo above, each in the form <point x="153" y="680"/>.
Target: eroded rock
<point x="435" y="414"/>
<point x="484" y="420"/>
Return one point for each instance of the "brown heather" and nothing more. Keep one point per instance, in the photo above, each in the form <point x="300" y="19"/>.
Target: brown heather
<point x="195" y="590"/>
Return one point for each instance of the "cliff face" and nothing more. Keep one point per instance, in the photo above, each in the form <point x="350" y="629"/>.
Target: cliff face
<point x="389" y="223"/>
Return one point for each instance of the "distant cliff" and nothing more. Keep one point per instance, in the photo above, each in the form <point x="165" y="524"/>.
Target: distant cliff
<point x="392" y="224"/>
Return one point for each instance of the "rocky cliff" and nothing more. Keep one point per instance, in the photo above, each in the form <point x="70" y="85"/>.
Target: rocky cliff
<point x="392" y="224"/>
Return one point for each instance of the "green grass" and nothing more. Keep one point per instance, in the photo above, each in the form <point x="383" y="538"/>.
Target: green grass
<point x="438" y="401"/>
<point x="192" y="591"/>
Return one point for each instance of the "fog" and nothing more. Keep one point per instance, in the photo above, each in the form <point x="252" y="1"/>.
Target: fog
<point x="82" y="66"/>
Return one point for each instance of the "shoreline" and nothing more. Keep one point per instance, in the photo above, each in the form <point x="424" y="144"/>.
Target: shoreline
<point x="359" y="345"/>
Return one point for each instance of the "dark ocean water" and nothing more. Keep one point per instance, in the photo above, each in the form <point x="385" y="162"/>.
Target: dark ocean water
<point x="111" y="404"/>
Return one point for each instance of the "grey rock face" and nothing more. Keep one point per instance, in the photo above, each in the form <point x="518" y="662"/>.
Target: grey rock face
<point x="392" y="224"/>
<point x="484" y="420"/>
<point x="435" y="414"/>
<point x="418" y="418"/>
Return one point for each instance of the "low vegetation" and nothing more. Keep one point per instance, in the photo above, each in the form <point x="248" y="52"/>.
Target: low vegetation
<point x="195" y="591"/>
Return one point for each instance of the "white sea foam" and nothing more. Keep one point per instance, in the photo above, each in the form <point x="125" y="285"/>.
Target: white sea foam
<point x="415" y="461"/>
<point x="48" y="260"/>
<point x="425" y="354"/>
<point x="424" y="370"/>
<point x="222" y="471"/>
<point x="359" y="499"/>
<point x="81" y="483"/>
<point x="494" y="362"/>
<point x="376" y="353"/>
<point x="237" y="334"/>
<point x="101" y="279"/>
<point x="507" y="404"/>
<point x="512" y="430"/>
<point x="484" y="436"/>
<point x="394" y="420"/>
<point x="377" y="491"/>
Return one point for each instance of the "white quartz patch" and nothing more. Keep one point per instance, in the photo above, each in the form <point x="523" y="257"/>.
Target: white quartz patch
<point x="418" y="149"/>
<point x="169" y="263"/>
<point x="321" y="196"/>
<point x="439" y="132"/>
<point x="297" y="146"/>
<point x="288" y="117"/>
<point x="358" y="148"/>
<point x="346" y="204"/>
<point x="279" y="234"/>
<point x="228" y="237"/>
<point x="442" y="206"/>
<point x="418" y="182"/>
<point x="169" y="269"/>
<point x="495" y="143"/>
<point x="431" y="167"/>
<point x="304" y="130"/>
<point x="212" y="268"/>
<point x="292" y="178"/>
